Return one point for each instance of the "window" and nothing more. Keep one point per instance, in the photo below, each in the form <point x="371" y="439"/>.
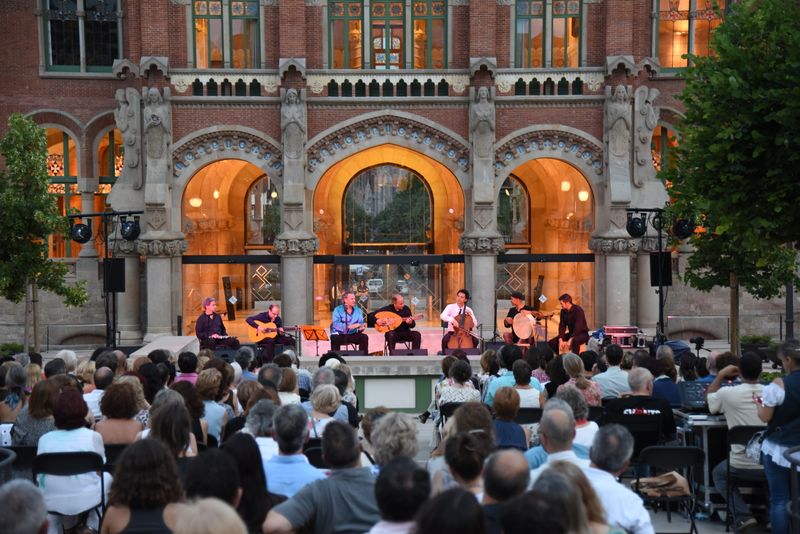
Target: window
<point x="346" y="19"/>
<point x="82" y="35"/>
<point x="264" y="212"/>
<point x="208" y="42"/>
<point x="513" y="211"/>
<point x="239" y="47"/>
<point x="429" y="20"/>
<point x="547" y="33"/>
<point x="685" y="27"/>
<point x="62" y="168"/>
<point x="244" y="35"/>
<point x="662" y="146"/>
<point x="386" y="41"/>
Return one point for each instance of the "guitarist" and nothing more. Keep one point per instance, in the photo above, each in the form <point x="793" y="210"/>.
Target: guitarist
<point x="451" y="315"/>
<point x="404" y="331"/>
<point x="348" y="324"/>
<point x="267" y="344"/>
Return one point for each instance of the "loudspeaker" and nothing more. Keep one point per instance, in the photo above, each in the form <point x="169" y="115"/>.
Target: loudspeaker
<point x="666" y="269"/>
<point x="114" y="275"/>
<point x="408" y="352"/>
<point x="225" y="353"/>
<point x="350" y="352"/>
<point x="468" y="352"/>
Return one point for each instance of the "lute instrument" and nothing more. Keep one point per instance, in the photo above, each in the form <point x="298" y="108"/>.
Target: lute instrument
<point x="386" y="321"/>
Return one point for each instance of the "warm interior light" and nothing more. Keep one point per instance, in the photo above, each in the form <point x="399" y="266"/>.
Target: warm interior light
<point x="274" y="194"/>
<point x="195" y="202"/>
<point x="451" y="211"/>
<point x="321" y="211"/>
<point x="566" y="185"/>
<point x="583" y="195"/>
<point x="215" y="194"/>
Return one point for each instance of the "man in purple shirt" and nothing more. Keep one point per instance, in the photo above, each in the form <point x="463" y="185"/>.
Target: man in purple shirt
<point x="572" y="326"/>
<point x="210" y="329"/>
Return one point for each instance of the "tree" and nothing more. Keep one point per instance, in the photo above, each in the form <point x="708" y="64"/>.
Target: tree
<point x="30" y="215"/>
<point x="737" y="166"/>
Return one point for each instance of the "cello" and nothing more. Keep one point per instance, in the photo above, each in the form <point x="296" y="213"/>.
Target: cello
<point x="462" y="332"/>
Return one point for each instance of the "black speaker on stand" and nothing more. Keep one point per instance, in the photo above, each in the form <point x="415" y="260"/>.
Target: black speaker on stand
<point x="666" y="269"/>
<point x="114" y="275"/>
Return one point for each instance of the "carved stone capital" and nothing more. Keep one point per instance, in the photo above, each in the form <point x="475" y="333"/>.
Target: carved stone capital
<point x="123" y="247"/>
<point x="162" y="247"/>
<point x="296" y="246"/>
<point x="481" y="245"/>
<point x="614" y="245"/>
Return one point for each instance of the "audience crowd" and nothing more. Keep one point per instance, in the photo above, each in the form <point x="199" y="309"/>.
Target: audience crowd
<point x="210" y="445"/>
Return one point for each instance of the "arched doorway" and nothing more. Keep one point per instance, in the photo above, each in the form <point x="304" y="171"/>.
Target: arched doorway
<point x="231" y="213"/>
<point x="546" y="216"/>
<point x="386" y="218"/>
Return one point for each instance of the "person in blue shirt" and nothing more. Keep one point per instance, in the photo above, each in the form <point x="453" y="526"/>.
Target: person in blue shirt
<point x="289" y="471"/>
<point x="348" y="324"/>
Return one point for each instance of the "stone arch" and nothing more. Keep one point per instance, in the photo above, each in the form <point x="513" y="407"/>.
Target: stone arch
<point x="388" y="127"/>
<point x="99" y="133"/>
<point x="55" y="118"/>
<point x="198" y="149"/>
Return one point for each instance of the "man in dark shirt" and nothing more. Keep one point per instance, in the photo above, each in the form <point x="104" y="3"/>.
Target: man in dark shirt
<point x="517" y="306"/>
<point x="210" y="329"/>
<point x="572" y="326"/>
<point x="403" y="331"/>
<point x="274" y="334"/>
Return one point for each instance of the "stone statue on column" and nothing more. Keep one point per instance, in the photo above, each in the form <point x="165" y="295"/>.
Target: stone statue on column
<point x="646" y="115"/>
<point x="125" y="194"/>
<point x="294" y="135"/>
<point x="157" y="118"/>
<point x="618" y="129"/>
<point x="482" y="137"/>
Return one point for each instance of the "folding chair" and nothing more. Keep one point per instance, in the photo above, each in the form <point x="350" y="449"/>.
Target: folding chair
<point x="314" y="455"/>
<point x="7" y="458"/>
<point x="646" y="430"/>
<point x="793" y="506"/>
<point x="24" y="459"/>
<point x="528" y="416"/>
<point x="71" y="464"/>
<point x="681" y="459"/>
<point x="740" y="435"/>
<point x="447" y="410"/>
<point x="113" y="453"/>
<point x="597" y="414"/>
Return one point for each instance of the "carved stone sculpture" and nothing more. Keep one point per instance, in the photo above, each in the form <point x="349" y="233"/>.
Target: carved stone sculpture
<point x="293" y="125"/>
<point x="482" y="132"/>
<point x="128" y="119"/>
<point x="646" y="119"/>
<point x="158" y="139"/>
<point x="618" y="128"/>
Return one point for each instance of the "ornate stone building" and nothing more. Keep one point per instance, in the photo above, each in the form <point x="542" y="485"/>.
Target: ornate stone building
<point x="285" y="150"/>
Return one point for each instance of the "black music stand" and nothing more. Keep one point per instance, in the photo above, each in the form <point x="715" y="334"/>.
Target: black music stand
<point x="316" y="334"/>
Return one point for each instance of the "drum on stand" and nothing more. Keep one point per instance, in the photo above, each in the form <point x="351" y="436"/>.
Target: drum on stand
<point x="525" y="326"/>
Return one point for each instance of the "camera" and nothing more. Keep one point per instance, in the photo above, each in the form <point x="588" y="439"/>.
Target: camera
<point x="697" y="341"/>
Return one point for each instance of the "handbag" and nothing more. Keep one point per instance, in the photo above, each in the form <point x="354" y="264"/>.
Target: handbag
<point x="753" y="448"/>
<point x="671" y="484"/>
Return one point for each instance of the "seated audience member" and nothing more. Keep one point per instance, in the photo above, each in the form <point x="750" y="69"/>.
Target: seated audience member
<point x="259" y="425"/>
<point x="143" y="413"/>
<point x="325" y="376"/>
<point x="573" y="365"/>
<point x="589" y="359"/>
<point x="505" y="475"/>
<point x="208" y="516"/>
<point x="533" y="511"/>
<point x="226" y="396"/>
<point x="509" y="434"/>
<point x="394" y="435"/>
<point x="508" y="355"/>
<point x="343" y="502"/>
<point x="247" y="360"/>
<point x="247" y="390"/>
<point x="34" y="376"/>
<point x="557" y="374"/>
<point x="36" y="418"/>
<point x="106" y="359"/>
<point x="614" y="380"/>
<point x="208" y="386"/>
<point x="459" y="388"/>
<point x="85" y="373"/>
<point x="562" y="490"/>
<point x="256" y="500"/>
<point x="325" y="400"/>
<point x="529" y="397"/>
<point x="368" y="422"/>
<point x="455" y="511"/>
<point x="70" y="360"/>
<point x="464" y="456"/>
<point x="187" y="365"/>
<point x="23" y="510"/>
<point x="118" y="405"/>
<point x="349" y="395"/>
<point x="584" y="429"/>
<point x="708" y="372"/>
<point x="665" y="384"/>
<point x="214" y="473"/>
<point x="546" y="356"/>
<point x="145" y="490"/>
<point x="288" y="388"/>
<point x="641" y="402"/>
<point x="56" y="366"/>
<point x="71" y="495"/>
<point x="289" y="471"/>
<point x="152" y="380"/>
<point x="643" y="360"/>
<point x="400" y="490"/>
<point x="688" y="367"/>
<point x="736" y="402"/>
<point x="557" y="429"/>
<point x="588" y="497"/>
<point x="610" y="455"/>
<point x="171" y="426"/>
<point x="196" y="407"/>
<point x="341" y="382"/>
<point x="12" y="396"/>
<point x="444" y="380"/>
<point x="271" y="373"/>
<point x="490" y="366"/>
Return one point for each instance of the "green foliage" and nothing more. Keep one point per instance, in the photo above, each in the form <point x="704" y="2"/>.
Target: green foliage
<point x="9" y="349"/>
<point x="30" y="215"/>
<point x="737" y="165"/>
<point x="756" y="339"/>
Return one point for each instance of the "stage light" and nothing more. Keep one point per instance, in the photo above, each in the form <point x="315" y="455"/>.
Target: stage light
<point x="637" y="226"/>
<point x="81" y="233"/>
<point x="683" y="228"/>
<point x="130" y="229"/>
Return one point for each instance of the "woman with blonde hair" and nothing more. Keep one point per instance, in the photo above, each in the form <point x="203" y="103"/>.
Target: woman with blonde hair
<point x="85" y="372"/>
<point x="287" y="391"/>
<point x="573" y="365"/>
<point x="34" y="372"/>
<point x="143" y="415"/>
<point x="325" y="400"/>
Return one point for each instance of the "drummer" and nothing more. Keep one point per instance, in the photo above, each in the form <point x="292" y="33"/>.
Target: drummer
<point x="517" y="306"/>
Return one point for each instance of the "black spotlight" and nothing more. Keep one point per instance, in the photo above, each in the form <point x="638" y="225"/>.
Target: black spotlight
<point x="81" y="233"/>
<point x="683" y="228"/>
<point x="637" y="226"/>
<point x="130" y="229"/>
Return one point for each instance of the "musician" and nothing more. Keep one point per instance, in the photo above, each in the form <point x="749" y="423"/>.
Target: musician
<point x="210" y="329"/>
<point x="348" y="324"/>
<point x="517" y="306"/>
<point x="571" y="327"/>
<point x="404" y="331"/>
<point x="451" y="315"/>
<point x="267" y="344"/>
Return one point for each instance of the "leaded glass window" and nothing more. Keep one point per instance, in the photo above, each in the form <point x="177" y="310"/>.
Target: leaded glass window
<point x="208" y="40"/>
<point x="685" y="27"/>
<point x="530" y="36"/>
<point x="244" y="34"/>
<point x="386" y="39"/>
<point x="82" y="35"/>
<point x="346" y="34"/>
<point x="566" y="33"/>
<point x="429" y="21"/>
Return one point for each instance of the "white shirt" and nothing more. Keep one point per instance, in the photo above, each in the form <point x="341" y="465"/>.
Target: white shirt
<point x="624" y="508"/>
<point x="451" y="311"/>
<point x="563" y="456"/>
<point x="584" y="435"/>
<point x="613" y="381"/>
<point x="736" y="402"/>
<point x="92" y="400"/>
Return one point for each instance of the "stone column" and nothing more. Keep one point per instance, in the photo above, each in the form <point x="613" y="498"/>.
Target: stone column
<point x="159" y="254"/>
<point x="128" y="316"/>
<point x="297" y="277"/>
<point x="616" y="254"/>
<point x="646" y="297"/>
<point x="481" y="259"/>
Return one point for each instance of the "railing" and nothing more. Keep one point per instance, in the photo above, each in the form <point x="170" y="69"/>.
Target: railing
<point x="387" y="84"/>
<point x="236" y="83"/>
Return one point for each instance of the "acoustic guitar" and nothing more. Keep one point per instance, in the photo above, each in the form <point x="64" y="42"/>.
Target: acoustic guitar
<point x="386" y="321"/>
<point x="270" y="331"/>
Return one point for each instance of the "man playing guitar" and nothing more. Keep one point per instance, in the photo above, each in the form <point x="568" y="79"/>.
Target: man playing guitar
<point x="398" y="319"/>
<point x="348" y="324"/>
<point x="270" y="324"/>
<point x="210" y="330"/>
<point x="453" y="315"/>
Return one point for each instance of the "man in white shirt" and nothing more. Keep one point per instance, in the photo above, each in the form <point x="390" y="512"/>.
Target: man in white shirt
<point x="557" y="428"/>
<point x="736" y="402"/>
<point x="610" y="454"/>
<point x="454" y="314"/>
<point x="103" y="378"/>
<point x="613" y="380"/>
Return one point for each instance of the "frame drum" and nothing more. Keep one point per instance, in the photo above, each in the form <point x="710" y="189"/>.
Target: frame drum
<point x="524" y="325"/>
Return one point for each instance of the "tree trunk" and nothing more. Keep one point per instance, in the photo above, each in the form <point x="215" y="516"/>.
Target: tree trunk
<point x="35" y="307"/>
<point x="734" y="284"/>
<point x="25" y="323"/>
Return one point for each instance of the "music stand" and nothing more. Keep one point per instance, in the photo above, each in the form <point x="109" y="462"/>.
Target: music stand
<point x="316" y="334"/>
